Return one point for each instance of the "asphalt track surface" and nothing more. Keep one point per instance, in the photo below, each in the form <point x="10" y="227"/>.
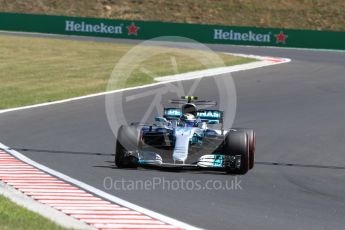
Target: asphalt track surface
<point x="297" y="110"/>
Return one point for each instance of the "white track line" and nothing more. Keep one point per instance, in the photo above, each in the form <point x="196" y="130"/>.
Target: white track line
<point x="81" y="205"/>
<point x="264" y="61"/>
<point x="49" y="212"/>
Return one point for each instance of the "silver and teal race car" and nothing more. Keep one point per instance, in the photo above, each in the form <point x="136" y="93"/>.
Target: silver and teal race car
<point x="182" y="139"/>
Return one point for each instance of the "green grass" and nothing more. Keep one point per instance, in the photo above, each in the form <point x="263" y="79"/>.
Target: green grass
<point x="304" y="14"/>
<point x="37" y="70"/>
<point x="15" y="217"/>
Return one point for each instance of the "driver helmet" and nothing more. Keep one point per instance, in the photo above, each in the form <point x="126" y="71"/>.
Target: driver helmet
<point x="188" y="119"/>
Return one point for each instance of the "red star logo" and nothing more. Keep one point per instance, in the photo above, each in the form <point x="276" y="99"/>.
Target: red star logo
<point x="281" y="37"/>
<point x="133" y="29"/>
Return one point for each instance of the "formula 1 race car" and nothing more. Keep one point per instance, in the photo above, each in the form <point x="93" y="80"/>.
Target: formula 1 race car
<point x="181" y="139"/>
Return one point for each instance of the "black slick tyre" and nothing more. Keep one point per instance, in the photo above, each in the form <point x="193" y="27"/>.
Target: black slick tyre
<point x="236" y="143"/>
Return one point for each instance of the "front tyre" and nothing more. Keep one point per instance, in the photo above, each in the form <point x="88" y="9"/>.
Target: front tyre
<point x="236" y="143"/>
<point x="252" y="144"/>
<point x="127" y="141"/>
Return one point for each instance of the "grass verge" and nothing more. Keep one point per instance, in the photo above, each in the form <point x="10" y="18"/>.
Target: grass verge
<point x="38" y="70"/>
<point x="15" y="217"/>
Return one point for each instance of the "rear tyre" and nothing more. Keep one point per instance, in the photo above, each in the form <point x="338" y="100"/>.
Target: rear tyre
<point x="236" y="143"/>
<point x="127" y="140"/>
<point x="252" y="144"/>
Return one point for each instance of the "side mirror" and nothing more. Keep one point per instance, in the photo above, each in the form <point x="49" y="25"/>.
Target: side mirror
<point x="161" y="119"/>
<point x="213" y="122"/>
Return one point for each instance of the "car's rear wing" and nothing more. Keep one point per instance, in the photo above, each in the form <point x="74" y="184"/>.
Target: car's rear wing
<point x="205" y="115"/>
<point x="192" y="99"/>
